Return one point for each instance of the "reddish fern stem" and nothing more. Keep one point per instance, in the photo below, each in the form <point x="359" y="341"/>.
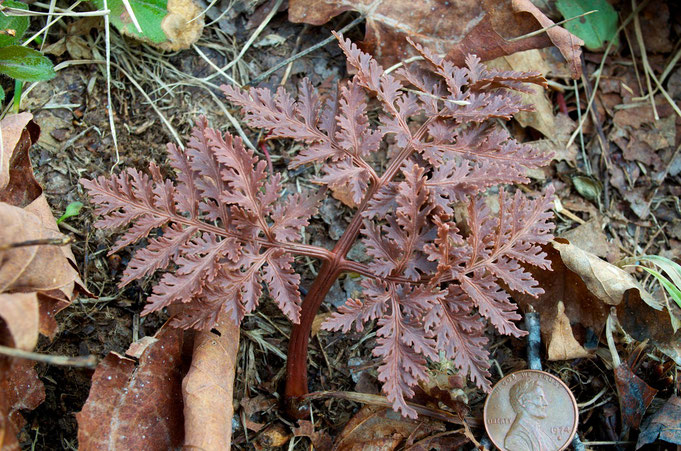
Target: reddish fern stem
<point x="296" y="363"/>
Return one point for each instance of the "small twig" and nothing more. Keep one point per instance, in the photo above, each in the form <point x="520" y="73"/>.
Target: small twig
<point x="379" y="400"/>
<point x="609" y="329"/>
<point x="287" y="72"/>
<point x="533" y="340"/>
<point x="109" y="107"/>
<point x="587" y="163"/>
<point x="251" y="40"/>
<point x="61" y="360"/>
<point x="542" y="30"/>
<point x="278" y="66"/>
<point x="644" y="58"/>
<point x="600" y="71"/>
<point x="131" y="13"/>
<point x="41" y="242"/>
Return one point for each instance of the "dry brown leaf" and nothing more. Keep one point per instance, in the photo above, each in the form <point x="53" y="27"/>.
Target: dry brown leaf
<point x="12" y="128"/>
<point x="588" y="287"/>
<point x="136" y="406"/>
<point x="603" y="280"/>
<point x="663" y="425"/>
<point x="26" y="215"/>
<point x="35" y="281"/>
<point x="455" y="28"/>
<point x="590" y="237"/>
<point x="209" y="385"/>
<point x="381" y="429"/>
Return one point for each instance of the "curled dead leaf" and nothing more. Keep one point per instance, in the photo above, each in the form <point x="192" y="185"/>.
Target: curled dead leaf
<point x="208" y="387"/>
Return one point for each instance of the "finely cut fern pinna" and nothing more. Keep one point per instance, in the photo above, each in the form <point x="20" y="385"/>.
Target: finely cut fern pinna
<point x="225" y="235"/>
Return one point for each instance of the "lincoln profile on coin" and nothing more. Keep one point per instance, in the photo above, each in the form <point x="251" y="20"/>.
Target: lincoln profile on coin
<point x="526" y="433"/>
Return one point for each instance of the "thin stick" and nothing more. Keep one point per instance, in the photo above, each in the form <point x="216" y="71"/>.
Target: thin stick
<point x="131" y="13"/>
<point x="380" y="400"/>
<point x="41" y="242"/>
<point x="278" y="66"/>
<point x="60" y="360"/>
<point x="600" y="72"/>
<point x="644" y="58"/>
<point x="53" y="21"/>
<point x="542" y="30"/>
<point x="587" y="163"/>
<point x="25" y="12"/>
<point x="215" y="66"/>
<point x="109" y="109"/>
<point x="609" y="329"/>
<point x="49" y="19"/>
<point x="251" y="40"/>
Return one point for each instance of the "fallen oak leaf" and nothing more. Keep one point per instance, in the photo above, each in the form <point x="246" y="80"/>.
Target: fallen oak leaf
<point x="453" y="28"/>
<point x="136" y="406"/>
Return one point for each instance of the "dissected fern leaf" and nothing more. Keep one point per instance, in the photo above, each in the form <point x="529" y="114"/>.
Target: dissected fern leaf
<point x="224" y="235"/>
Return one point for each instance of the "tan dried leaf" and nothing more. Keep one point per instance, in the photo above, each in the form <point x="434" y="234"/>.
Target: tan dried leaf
<point x="562" y="344"/>
<point x="12" y="128"/>
<point x="208" y="387"/>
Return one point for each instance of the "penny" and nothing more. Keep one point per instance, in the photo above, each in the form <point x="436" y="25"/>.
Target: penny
<point x="531" y="410"/>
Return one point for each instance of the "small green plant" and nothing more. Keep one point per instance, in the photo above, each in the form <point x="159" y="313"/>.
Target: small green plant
<point x="72" y="209"/>
<point x="17" y="61"/>
<point x="673" y="271"/>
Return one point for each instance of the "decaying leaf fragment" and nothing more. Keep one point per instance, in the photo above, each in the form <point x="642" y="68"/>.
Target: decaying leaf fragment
<point x="382" y="429"/>
<point x="454" y="28"/>
<point x="167" y="24"/>
<point x="136" y="406"/>
<point x="663" y="425"/>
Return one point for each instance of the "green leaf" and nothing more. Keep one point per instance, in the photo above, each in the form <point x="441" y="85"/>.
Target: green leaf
<point x="672" y="269"/>
<point x="149" y="14"/>
<point x="12" y="28"/>
<point x="72" y="209"/>
<point x="596" y="29"/>
<point x="25" y="64"/>
<point x="672" y="289"/>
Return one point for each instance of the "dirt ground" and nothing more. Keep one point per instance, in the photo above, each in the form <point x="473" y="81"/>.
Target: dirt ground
<point x="76" y="141"/>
